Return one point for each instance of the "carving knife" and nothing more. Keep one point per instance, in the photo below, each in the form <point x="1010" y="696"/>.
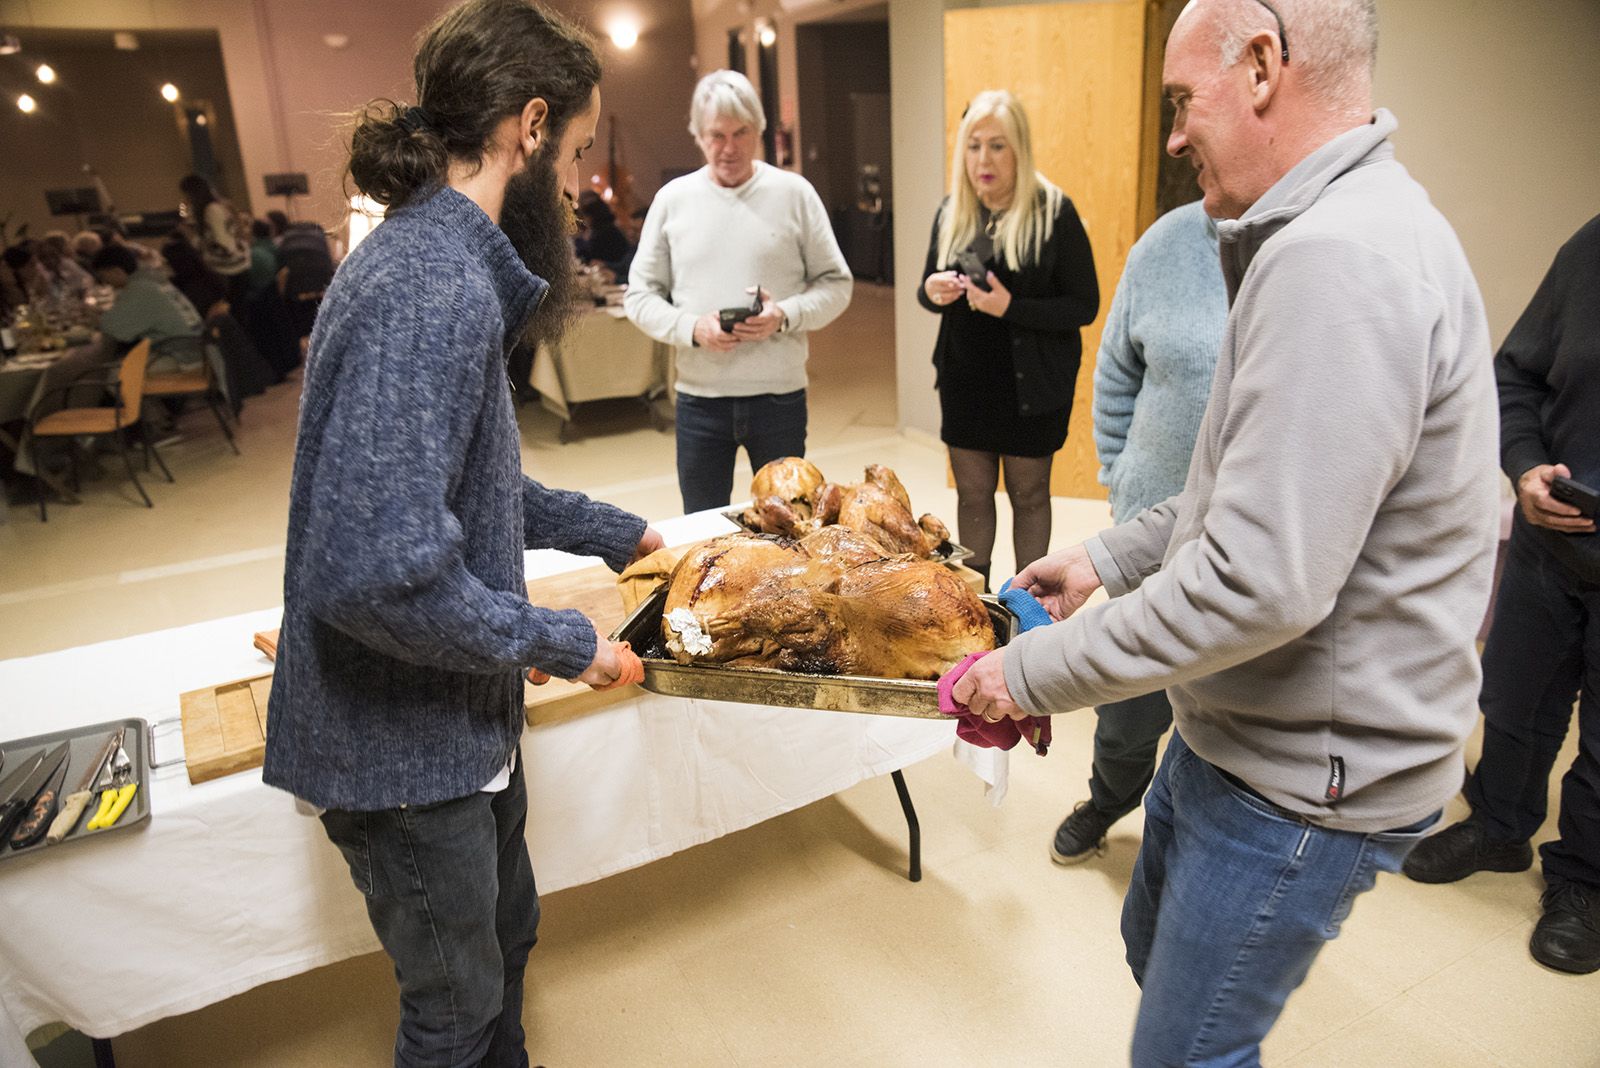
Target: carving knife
<point x="31" y="829"/>
<point x="22" y="799"/>
<point x="72" y="808"/>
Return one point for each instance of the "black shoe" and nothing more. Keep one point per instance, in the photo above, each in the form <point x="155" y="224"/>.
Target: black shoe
<point x="1081" y="835"/>
<point x="1567" y="936"/>
<point x="1456" y="852"/>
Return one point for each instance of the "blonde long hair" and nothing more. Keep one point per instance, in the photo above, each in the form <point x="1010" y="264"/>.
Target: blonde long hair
<point x="1027" y="225"/>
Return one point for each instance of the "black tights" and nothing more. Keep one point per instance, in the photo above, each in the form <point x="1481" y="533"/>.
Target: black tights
<point x="1028" y="486"/>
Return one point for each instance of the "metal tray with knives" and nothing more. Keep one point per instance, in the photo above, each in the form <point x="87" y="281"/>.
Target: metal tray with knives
<point x="948" y="552"/>
<point x="84" y="745"/>
<point x="912" y="698"/>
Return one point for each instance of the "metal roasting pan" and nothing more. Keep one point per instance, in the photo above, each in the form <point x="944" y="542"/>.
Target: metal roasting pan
<point x="911" y="698"/>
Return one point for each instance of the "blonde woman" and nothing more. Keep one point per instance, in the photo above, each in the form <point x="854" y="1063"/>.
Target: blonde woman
<point x="1011" y="275"/>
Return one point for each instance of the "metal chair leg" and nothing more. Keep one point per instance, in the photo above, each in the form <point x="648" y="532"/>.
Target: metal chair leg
<point x="151" y="450"/>
<point x="127" y="461"/>
<point x="222" y="421"/>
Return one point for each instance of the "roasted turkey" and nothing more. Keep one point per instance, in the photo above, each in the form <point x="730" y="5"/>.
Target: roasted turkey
<point x="831" y="603"/>
<point x="790" y="498"/>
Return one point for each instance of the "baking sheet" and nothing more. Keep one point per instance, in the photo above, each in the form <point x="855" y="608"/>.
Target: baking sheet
<point x="947" y="553"/>
<point x="911" y="698"/>
<point x="85" y="743"/>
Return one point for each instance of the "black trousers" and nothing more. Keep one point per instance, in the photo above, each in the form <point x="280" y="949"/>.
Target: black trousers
<point x="450" y="893"/>
<point x="1543" y="650"/>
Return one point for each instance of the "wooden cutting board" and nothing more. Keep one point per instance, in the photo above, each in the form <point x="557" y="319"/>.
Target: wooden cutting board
<point x="225" y="727"/>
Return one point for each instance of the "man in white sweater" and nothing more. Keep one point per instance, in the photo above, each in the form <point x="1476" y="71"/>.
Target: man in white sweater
<point x="714" y="240"/>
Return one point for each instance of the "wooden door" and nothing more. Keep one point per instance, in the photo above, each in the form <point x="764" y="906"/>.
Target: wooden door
<point x="1080" y="70"/>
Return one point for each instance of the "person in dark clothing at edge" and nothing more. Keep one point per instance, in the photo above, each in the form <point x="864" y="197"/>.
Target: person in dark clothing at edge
<point x="397" y="704"/>
<point x="1544" y="641"/>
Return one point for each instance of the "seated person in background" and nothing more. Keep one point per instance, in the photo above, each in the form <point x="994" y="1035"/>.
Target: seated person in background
<point x="148" y="306"/>
<point x="56" y="281"/>
<point x="204" y="287"/>
<point x="601" y="241"/>
<point x="263" y="258"/>
<point x="305" y="267"/>
<point x="14" y="270"/>
<point x="84" y="246"/>
<point x="277" y="222"/>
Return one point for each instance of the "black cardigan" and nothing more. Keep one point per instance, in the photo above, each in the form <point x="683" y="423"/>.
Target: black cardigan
<point x="1051" y="300"/>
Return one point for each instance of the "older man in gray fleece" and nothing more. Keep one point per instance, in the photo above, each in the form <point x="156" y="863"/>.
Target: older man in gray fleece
<point x="1309" y="601"/>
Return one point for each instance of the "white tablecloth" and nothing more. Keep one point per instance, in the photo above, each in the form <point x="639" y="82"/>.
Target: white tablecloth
<point x="603" y="356"/>
<point x="228" y="886"/>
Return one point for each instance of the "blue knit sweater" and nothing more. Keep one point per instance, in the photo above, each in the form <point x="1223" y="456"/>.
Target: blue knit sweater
<point x="406" y="625"/>
<point x="1157" y="354"/>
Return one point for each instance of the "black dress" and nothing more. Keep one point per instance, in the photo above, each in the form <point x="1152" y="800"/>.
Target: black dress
<point x="1006" y="385"/>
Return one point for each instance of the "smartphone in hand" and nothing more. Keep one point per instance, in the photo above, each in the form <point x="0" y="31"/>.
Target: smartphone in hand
<point x="1585" y="499"/>
<point x="730" y="317"/>
<point x="968" y="263"/>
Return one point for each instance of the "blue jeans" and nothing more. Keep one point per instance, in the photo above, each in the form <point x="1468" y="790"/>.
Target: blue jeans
<point x="1231" y="900"/>
<point x="450" y="892"/>
<point x="770" y="426"/>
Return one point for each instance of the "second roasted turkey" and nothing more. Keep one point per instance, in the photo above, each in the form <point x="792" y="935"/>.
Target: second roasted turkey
<point x="789" y="497"/>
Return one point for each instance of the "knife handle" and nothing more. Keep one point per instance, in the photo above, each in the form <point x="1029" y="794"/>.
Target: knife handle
<point x="108" y="797"/>
<point x="33" y="825"/>
<point x="71" y="811"/>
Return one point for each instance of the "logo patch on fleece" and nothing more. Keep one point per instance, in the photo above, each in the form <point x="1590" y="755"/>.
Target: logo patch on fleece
<point x="1335" y="778"/>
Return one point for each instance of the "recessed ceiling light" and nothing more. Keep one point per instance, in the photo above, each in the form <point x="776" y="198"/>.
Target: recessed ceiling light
<point x="624" y="35"/>
<point x="46" y="73"/>
<point x="169" y="93"/>
<point x="26" y="104"/>
<point x="125" y="42"/>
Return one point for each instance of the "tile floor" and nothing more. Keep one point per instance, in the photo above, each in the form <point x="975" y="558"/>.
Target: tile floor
<point x="799" y="941"/>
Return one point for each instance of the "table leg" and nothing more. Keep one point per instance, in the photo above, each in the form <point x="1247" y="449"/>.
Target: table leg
<point x="915" y="872"/>
<point x="103" y="1057"/>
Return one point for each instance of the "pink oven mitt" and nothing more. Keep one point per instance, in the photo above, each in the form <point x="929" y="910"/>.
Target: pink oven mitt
<point x="971" y="727"/>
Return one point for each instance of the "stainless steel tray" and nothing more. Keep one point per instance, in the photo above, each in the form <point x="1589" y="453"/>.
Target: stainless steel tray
<point x="947" y="553"/>
<point x="767" y="686"/>
<point x="84" y="743"/>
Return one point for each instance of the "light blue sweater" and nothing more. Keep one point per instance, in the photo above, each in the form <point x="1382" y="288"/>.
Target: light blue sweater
<point x="1157" y="354"/>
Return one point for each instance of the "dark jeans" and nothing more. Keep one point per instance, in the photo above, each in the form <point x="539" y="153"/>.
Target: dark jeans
<point x="1231" y="901"/>
<point x="770" y="426"/>
<point x="450" y="892"/>
<point x="1543" y="650"/>
<point x="1125" y="740"/>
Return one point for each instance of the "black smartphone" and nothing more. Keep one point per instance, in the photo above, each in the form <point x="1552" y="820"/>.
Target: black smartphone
<point x="971" y="266"/>
<point x="1569" y="491"/>
<point x="728" y="317"/>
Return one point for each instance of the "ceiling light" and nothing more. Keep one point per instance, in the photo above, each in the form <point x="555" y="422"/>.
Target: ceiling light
<point x="336" y="40"/>
<point x="9" y="45"/>
<point x="769" y="36"/>
<point x="200" y="120"/>
<point x="169" y="93"/>
<point x="624" y="35"/>
<point x="26" y="104"/>
<point x="46" y="73"/>
<point x="125" y="42"/>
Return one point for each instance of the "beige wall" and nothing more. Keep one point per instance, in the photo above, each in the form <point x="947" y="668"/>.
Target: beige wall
<point x="290" y="89"/>
<point x="1499" y="119"/>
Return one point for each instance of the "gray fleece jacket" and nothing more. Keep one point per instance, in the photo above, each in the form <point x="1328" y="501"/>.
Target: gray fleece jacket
<point x="1310" y="600"/>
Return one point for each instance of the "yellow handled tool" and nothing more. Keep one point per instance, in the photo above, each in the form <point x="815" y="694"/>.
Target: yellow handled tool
<point x="108" y="798"/>
<point x="124" y="795"/>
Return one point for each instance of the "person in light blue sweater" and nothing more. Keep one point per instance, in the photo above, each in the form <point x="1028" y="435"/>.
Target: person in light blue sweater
<point x="1151" y="382"/>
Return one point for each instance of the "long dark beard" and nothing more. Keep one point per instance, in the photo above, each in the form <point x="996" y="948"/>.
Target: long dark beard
<point x="540" y="223"/>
